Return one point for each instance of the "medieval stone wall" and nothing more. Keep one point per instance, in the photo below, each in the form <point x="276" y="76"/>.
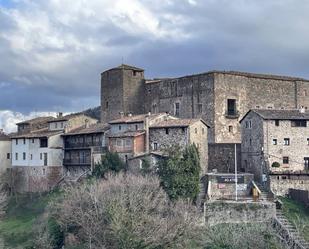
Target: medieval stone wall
<point x="280" y="184"/>
<point x="221" y="157"/>
<point x="218" y="212"/>
<point x="111" y="94"/>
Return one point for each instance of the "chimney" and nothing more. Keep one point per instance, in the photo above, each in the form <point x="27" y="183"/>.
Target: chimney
<point x="60" y="114"/>
<point x="86" y="123"/>
<point x="302" y="109"/>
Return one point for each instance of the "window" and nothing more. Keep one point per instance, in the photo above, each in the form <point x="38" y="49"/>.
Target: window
<point x="128" y="142"/>
<point x="308" y="141"/>
<point x="230" y="128"/>
<point x="183" y="130"/>
<point x="305" y="93"/>
<point x="257" y="107"/>
<point x="249" y="124"/>
<point x="250" y="141"/>
<point x="306" y="159"/>
<point x="43" y="172"/>
<point x="24" y="155"/>
<point x="176" y="110"/>
<point x="32" y="140"/>
<point x="155" y="146"/>
<point x="134" y="73"/>
<point x="136" y="127"/>
<point x="275" y="141"/>
<point x="203" y="131"/>
<point x="43" y="142"/>
<point x="61" y="124"/>
<point x="299" y="123"/>
<point x="276" y="122"/>
<point x="166" y="131"/>
<point x="231" y="107"/>
<point x="8" y="156"/>
<point x="200" y="108"/>
<point x="41" y="156"/>
<point x="16" y="156"/>
<point x="119" y="142"/>
<point x="286" y="141"/>
<point x="285" y="160"/>
<point x="119" y="127"/>
<point x="106" y="104"/>
<point x="56" y="125"/>
<point x="16" y="141"/>
<point x="195" y="130"/>
<point x="31" y="156"/>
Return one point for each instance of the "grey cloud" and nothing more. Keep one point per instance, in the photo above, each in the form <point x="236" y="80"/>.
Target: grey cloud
<point x="256" y="36"/>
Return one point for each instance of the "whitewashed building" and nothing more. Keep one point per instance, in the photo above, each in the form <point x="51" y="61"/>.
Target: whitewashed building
<point x="37" y="154"/>
<point x="5" y="152"/>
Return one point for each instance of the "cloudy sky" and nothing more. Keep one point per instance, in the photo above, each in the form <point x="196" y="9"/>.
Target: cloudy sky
<point x="53" y="51"/>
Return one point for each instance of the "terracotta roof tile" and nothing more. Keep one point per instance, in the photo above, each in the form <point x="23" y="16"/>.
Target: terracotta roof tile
<point x="94" y="128"/>
<point x="176" y="123"/>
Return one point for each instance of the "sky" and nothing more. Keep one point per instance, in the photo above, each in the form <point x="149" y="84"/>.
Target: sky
<point x="53" y="51"/>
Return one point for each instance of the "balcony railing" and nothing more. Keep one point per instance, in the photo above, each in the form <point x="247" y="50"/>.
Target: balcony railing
<point x="232" y="114"/>
<point x="72" y="145"/>
<point x="77" y="161"/>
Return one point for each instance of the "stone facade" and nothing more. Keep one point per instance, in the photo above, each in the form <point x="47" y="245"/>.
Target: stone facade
<point x="181" y="132"/>
<point x="221" y="157"/>
<point x="221" y="98"/>
<point x="122" y="91"/>
<point x="218" y="212"/>
<point x="35" y="179"/>
<point x="275" y="148"/>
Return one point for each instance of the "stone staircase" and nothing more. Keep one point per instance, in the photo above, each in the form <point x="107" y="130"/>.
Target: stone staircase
<point x="289" y="233"/>
<point x="264" y="195"/>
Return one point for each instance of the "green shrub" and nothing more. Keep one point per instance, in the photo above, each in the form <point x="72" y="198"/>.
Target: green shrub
<point x="110" y="162"/>
<point x="56" y="234"/>
<point x="275" y="165"/>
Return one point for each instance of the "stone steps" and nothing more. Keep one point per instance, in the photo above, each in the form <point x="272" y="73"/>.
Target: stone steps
<point x="294" y="234"/>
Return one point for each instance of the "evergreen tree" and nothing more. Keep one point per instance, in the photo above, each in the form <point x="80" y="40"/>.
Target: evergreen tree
<point x="180" y="173"/>
<point x="110" y="162"/>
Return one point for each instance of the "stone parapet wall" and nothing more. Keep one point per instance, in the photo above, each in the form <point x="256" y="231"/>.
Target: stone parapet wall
<point x="281" y="184"/>
<point x="217" y="212"/>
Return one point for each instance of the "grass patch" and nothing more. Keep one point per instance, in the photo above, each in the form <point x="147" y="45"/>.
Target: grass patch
<point x="297" y="214"/>
<point x="22" y="213"/>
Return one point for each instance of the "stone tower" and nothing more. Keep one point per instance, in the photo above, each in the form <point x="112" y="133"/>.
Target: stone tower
<point x="122" y="91"/>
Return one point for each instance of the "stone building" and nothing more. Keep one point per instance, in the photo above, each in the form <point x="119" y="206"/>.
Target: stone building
<point x="83" y="148"/>
<point x="5" y="151"/>
<point x="122" y="91"/>
<point x="129" y="135"/>
<point x="221" y="98"/>
<point x="33" y="124"/>
<point x="180" y="132"/>
<point x="275" y="148"/>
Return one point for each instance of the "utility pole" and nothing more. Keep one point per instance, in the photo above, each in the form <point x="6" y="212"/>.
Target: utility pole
<point x="235" y="172"/>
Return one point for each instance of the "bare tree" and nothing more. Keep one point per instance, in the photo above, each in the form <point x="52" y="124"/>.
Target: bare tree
<point x="126" y="211"/>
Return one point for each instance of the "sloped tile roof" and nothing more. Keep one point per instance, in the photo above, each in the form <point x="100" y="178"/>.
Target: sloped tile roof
<point x="176" y="123"/>
<point x="271" y="114"/>
<point x="94" y="128"/>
